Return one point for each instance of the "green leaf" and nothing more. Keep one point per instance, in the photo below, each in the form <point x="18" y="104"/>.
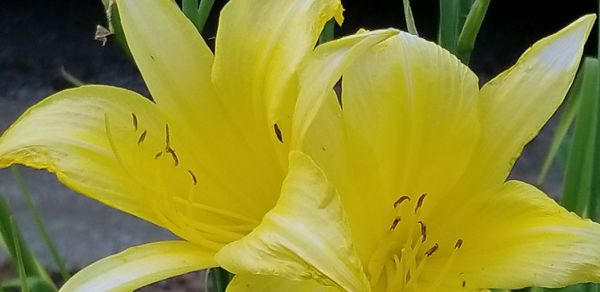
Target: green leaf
<point x="580" y="165"/>
<point x="468" y="34"/>
<point x="35" y="284"/>
<point x="220" y="278"/>
<point x="17" y="249"/>
<point x="20" y="263"/>
<point x="410" y="20"/>
<point x="328" y="32"/>
<point x="453" y="14"/>
<point x="573" y="102"/>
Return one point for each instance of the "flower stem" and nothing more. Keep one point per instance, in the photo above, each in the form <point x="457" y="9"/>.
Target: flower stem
<point x="453" y="14"/>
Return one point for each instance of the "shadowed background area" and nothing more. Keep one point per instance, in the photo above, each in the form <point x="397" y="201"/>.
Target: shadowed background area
<point x="38" y="38"/>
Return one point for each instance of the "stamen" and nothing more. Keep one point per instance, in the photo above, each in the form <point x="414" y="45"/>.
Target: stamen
<point x="420" y="202"/>
<point x="458" y="244"/>
<point x="193" y="177"/>
<point x="135" y="121"/>
<point x="278" y="132"/>
<point x="142" y="137"/>
<point x="173" y="155"/>
<point x="423" y="231"/>
<point x="433" y="249"/>
<point x="395" y="223"/>
<point x="400" y="200"/>
<point x="167" y="137"/>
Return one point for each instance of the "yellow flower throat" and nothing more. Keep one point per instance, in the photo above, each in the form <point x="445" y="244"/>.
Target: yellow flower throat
<point x="400" y="258"/>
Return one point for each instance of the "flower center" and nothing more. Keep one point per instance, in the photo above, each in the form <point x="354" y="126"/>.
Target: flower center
<point x="403" y="253"/>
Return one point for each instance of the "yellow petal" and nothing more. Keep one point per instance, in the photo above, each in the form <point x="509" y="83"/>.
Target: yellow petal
<point x="115" y="146"/>
<point x="323" y="68"/>
<point x="176" y="65"/>
<point x="66" y="134"/>
<point x="259" y="46"/>
<point x="512" y="238"/>
<point x="304" y="237"/>
<point x="518" y="102"/>
<point x="139" y="266"/>
<point x="170" y="53"/>
<point x="410" y="115"/>
<point x="261" y="283"/>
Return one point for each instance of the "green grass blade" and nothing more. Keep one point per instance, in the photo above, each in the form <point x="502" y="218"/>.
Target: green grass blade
<point x="190" y="9"/>
<point x="328" y="32"/>
<point x="410" y="19"/>
<point x="203" y="13"/>
<point x="470" y="30"/>
<point x="573" y="102"/>
<point x="39" y="223"/>
<point x="578" y="175"/>
<point x="35" y="284"/>
<point x="20" y="262"/>
<point x="453" y="14"/>
<point x="9" y="233"/>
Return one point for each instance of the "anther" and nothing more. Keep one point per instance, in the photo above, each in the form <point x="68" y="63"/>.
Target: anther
<point x="400" y="200"/>
<point x="194" y="180"/>
<point x="433" y="249"/>
<point x="135" y="121"/>
<point x="142" y="137"/>
<point x="158" y="155"/>
<point x="395" y="223"/>
<point x="167" y="137"/>
<point x="458" y="244"/>
<point x="278" y="132"/>
<point x="464" y="284"/>
<point x="420" y="202"/>
<point x="423" y="231"/>
<point x="174" y="155"/>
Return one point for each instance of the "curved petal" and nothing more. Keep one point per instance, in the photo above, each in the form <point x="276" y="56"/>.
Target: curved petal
<point x="512" y="238"/>
<point x="322" y="69"/>
<point x="139" y="266"/>
<point x="409" y="112"/>
<point x="304" y="237"/>
<point x="517" y="103"/>
<point x="114" y="146"/>
<point x="170" y="53"/>
<point x="259" y="46"/>
<point x="261" y="283"/>
<point x="66" y="133"/>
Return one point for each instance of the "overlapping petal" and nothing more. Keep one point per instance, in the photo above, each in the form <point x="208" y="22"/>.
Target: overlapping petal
<point x="261" y="283"/>
<point x="139" y="266"/>
<point x="303" y="238"/>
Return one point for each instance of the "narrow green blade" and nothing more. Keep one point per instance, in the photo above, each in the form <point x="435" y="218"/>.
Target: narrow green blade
<point x="573" y="102"/>
<point x="470" y="30"/>
<point x="328" y="32"/>
<point x="15" y="244"/>
<point x="453" y="14"/>
<point x="410" y="19"/>
<point x="580" y="164"/>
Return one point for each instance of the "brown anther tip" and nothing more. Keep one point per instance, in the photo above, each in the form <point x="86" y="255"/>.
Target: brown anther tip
<point x="423" y="231"/>
<point x="158" y="155"/>
<point x="433" y="249"/>
<point x="420" y="202"/>
<point x="400" y="200"/>
<point x="395" y="223"/>
<point x="142" y="137"/>
<point x="135" y="121"/>
<point x="458" y="244"/>
<point x="464" y="284"/>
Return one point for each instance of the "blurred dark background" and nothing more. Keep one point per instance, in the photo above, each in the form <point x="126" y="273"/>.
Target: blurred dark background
<point x="38" y="38"/>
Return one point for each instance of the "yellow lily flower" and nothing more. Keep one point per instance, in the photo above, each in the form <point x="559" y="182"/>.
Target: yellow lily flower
<point x="206" y="158"/>
<point x="419" y="156"/>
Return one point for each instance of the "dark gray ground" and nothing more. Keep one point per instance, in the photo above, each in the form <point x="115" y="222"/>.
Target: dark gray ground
<point x="35" y="42"/>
